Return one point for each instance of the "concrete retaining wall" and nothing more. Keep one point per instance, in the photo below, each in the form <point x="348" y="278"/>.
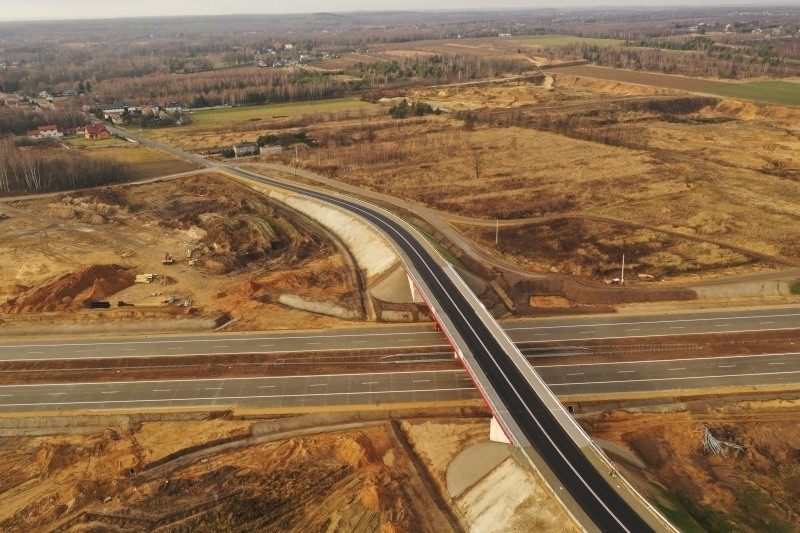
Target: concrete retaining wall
<point x="372" y="253"/>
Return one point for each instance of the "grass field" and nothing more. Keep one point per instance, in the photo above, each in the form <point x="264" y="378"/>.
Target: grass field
<point x="241" y="114"/>
<point x="83" y="142"/>
<point x="773" y="92"/>
<point x="561" y="40"/>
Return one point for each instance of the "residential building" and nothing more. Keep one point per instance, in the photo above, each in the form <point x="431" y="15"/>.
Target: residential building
<point x="45" y="132"/>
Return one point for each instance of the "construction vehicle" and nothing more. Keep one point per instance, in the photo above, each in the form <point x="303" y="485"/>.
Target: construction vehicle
<point x="3" y="216"/>
<point x="168" y="259"/>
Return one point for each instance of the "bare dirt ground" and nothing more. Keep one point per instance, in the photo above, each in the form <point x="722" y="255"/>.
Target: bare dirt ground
<point x="134" y="476"/>
<point x="755" y="489"/>
<point x="60" y="252"/>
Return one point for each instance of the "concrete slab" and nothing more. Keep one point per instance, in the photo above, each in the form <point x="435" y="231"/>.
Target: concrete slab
<point x="473" y="464"/>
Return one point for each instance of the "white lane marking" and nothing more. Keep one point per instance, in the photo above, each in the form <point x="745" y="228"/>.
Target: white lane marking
<point x="266" y="345"/>
<point x="721" y="325"/>
<point x="35" y="353"/>
<point x="421" y="381"/>
<point x="128" y="349"/>
<point x="677" y="327"/>
<point x="248" y="397"/>
<point x="576" y="374"/>
<point x="317" y="384"/>
<point x="213" y="388"/>
<point x="587" y="332"/>
<point x="765" y="323"/>
<point x="678" y="368"/>
<point x="169" y="340"/>
<point x="108" y="392"/>
<point x="541" y="334"/>
<point x="81" y="351"/>
<point x="677" y="379"/>
<point x="6" y="395"/>
<point x="222" y="346"/>
<point x="360" y="342"/>
<point x="726" y="366"/>
<point x="55" y="393"/>
<point x="266" y="387"/>
<point x="634" y="329"/>
<point x="317" y="343"/>
<point x="673" y="321"/>
<point x="777" y="363"/>
<point x="369" y="382"/>
<point x="162" y="390"/>
<point x="651" y="361"/>
<point x="216" y="380"/>
<point x="175" y="348"/>
<point x="626" y="371"/>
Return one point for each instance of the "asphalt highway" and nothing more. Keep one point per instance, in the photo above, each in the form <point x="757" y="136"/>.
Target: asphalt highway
<point x="398" y="387"/>
<point x="399" y="337"/>
<point x="524" y="402"/>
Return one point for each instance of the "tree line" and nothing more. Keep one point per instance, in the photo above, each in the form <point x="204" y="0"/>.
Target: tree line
<point x="40" y="169"/>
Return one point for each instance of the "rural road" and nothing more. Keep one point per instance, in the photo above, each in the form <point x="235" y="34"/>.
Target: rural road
<point x="403" y="337"/>
<point x="398" y="387"/>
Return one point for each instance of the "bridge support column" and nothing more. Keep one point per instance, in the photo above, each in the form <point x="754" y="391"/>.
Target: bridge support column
<point x="416" y="297"/>
<point x="496" y="433"/>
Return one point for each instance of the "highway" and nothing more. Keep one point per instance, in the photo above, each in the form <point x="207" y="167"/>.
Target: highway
<point x="400" y="337"/>
<point x="526" y="409"/>
<point x="398" y="387"/>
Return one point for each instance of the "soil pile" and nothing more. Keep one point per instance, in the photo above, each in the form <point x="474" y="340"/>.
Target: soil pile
<point x="72" y="291"/>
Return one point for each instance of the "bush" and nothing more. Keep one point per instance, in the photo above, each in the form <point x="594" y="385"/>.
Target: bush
<point x="794" y="286"/>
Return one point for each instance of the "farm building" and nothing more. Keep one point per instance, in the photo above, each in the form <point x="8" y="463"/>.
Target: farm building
<point x="246" y="148"/>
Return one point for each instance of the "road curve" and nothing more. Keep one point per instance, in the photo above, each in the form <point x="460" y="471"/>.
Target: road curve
<point x="509" y="388"/>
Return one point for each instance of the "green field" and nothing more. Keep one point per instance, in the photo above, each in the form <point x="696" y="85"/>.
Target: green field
<point x="562" y="40"/>
<point x="772" y="92"/>
<point x="241" y="114"/>
<point x="83" y="142"/>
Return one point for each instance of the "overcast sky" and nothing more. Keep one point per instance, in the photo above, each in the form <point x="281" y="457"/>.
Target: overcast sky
<point x="85" y="9"/>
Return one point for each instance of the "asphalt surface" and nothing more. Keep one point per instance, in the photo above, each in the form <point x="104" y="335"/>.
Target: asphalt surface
<point x="472" y="328"/>
<point x="400" y="337"/>
<point x="398" y="387"/>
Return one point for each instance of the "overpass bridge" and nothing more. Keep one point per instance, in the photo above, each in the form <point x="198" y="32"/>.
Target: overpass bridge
<point x="524" y="407"/>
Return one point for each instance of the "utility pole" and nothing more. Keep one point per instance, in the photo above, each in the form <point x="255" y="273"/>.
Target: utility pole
<point x="295" y="161"/>
<point x="622" y="278"/>
<point x="496" y="231"/>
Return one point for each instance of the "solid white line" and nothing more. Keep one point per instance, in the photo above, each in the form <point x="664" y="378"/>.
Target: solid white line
<point x="673" y="321"/>
<point x="227" y="339"/>
<point x="726" y="366"/>
<point x="370" y="383"/>
<point x="776" y="363"/>
<point x="626" y="371"/>
<point x="576" y="374"/>
<point x="765" y="323"/>
<point x="678" y="368"/>
<point x="676" y="379"/>
<point x="249" y="397"/>
<point x="650" y="361"/>
<point x="299" y="376"/>
<point x="317" y="384"/>
<point x="213" y="354"/>
<point x="35" y="353"/>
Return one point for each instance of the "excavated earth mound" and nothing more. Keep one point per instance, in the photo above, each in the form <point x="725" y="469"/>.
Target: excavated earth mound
<point x="72" y="291"/>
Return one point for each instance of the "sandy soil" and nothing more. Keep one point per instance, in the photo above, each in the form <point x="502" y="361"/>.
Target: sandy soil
<point x="60" y="252"/>
<point x="214" y="474"/>
<point x="753" y="490"/>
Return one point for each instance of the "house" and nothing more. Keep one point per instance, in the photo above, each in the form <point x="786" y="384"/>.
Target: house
<point x="118" y="109"/>
<point x="246" y="148"/>
<point x="96" y="131"/>
<point x="45" y="132"/>
<point x="174" y="107"/>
